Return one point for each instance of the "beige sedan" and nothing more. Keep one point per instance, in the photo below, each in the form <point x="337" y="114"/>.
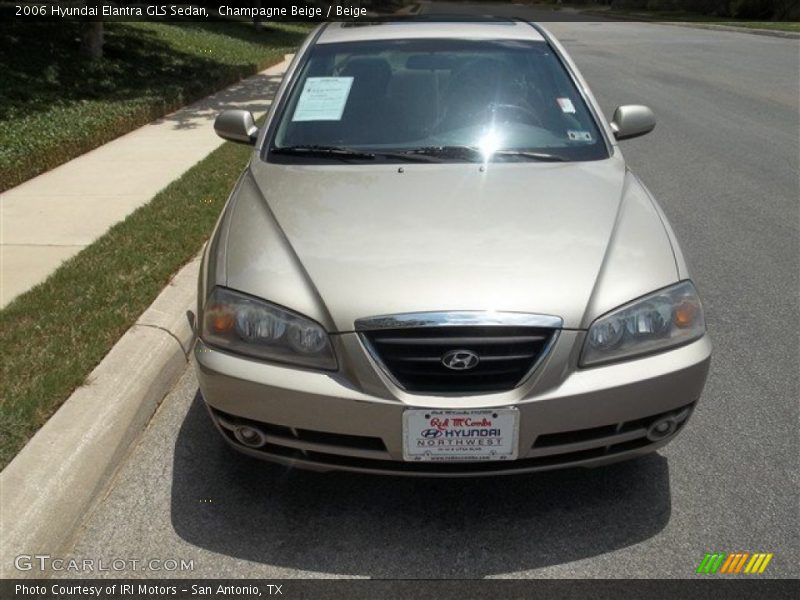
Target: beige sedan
<point x="438" y="263"/>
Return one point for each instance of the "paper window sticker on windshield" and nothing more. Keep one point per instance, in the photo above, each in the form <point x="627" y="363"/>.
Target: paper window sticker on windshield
<point x="566" y="105"/>
<point x="579" y="136"/>
<point x="323" y="99"/>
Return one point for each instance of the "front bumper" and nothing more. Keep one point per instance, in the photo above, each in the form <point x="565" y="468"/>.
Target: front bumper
<point x="352" y="419"/>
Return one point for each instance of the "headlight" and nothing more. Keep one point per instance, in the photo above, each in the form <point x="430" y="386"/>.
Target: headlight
<point x="662" y="320"/>
<point x="245" y="325"/>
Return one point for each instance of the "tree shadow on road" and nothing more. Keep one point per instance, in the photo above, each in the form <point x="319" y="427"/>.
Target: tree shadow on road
<point x="387" y="527"/>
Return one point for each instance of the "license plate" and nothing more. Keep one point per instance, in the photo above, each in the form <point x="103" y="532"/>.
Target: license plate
<point x="460" y="435"/>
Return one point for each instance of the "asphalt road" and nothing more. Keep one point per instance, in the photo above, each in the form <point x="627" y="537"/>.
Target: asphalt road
<point x="723" y="162"/>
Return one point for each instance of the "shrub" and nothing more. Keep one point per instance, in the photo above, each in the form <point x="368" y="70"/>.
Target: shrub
<point x="752" y="9"/>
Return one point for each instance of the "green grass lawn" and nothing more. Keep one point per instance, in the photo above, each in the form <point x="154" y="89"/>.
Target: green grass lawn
<point x="56" y="105"/>
<point x="773" y="25"/>
<point x="54" y="335"/>
<point x="680" y="16"/>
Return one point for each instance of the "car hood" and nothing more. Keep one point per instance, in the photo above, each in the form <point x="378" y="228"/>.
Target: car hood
<point x="344" y="242"/>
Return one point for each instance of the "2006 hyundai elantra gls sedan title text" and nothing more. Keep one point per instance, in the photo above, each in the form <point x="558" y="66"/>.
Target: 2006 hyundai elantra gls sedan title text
<point x="437" y="263"/>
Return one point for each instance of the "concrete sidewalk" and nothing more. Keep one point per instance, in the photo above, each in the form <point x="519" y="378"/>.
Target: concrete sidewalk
<point x="50" y="218"/>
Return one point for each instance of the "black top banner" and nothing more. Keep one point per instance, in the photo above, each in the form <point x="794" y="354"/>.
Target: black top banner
<point x="122" y="10"/>
<point x="231" y="10"/>
<point x="336" y="10"/>
<point x="282" y="10"/>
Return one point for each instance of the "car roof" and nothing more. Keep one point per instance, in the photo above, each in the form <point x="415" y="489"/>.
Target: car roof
<point x="440" y="28"/>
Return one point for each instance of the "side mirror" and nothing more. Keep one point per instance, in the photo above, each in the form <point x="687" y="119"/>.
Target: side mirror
<point x="631" y="121"/>
<point x="236" y="126"/>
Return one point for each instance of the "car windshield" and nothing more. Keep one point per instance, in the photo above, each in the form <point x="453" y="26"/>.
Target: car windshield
<point x="435" y="99"/>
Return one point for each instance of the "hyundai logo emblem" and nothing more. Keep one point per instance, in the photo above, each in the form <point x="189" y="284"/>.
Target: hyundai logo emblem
<point x="431" y="433"/>
<point x="460" y="360"/>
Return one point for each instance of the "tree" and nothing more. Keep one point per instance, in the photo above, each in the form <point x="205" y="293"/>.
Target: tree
<point x="257" y="20"/>
<point x="92" y="38"/>
<point x="92" y="34"/>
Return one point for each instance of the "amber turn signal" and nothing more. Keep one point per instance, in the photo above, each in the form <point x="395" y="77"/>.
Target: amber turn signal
<point x="219" y="318"/>
<point x="685" y="314"/>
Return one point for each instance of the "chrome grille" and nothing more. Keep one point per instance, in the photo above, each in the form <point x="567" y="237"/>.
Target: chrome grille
<point x="413" y="356"/>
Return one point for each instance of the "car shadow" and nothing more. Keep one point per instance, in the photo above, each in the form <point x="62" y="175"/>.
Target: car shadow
<point x="393" y="527"/>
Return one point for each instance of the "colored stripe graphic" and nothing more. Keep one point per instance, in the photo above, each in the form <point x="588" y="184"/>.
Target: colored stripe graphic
<point x="727" y="565"/>
<point x="739" y="563"/>
<point x="734" y="563"/>
<point x="758" y="563"/>
<point x="711" y="562"/>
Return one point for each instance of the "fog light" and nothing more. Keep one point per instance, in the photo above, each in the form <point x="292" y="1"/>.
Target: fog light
<point x="249" y="436"/>
<point x="661" y="429"/>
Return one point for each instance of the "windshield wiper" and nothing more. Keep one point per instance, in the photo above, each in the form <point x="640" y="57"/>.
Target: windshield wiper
<point x="460" y="151"/>
<point x="540" y="156"/>
<point x="405" y="156"/>
<point x="345" y="153"/>
<point x="472" y="152"/>
<point x="422" y="154"/>
<point x="324" y="151"/>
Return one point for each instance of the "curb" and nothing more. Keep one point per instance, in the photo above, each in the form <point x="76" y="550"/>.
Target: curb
<point x="787" y="35"/>
<point x="53" y="482"/>
<point x="694" y="25"/>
